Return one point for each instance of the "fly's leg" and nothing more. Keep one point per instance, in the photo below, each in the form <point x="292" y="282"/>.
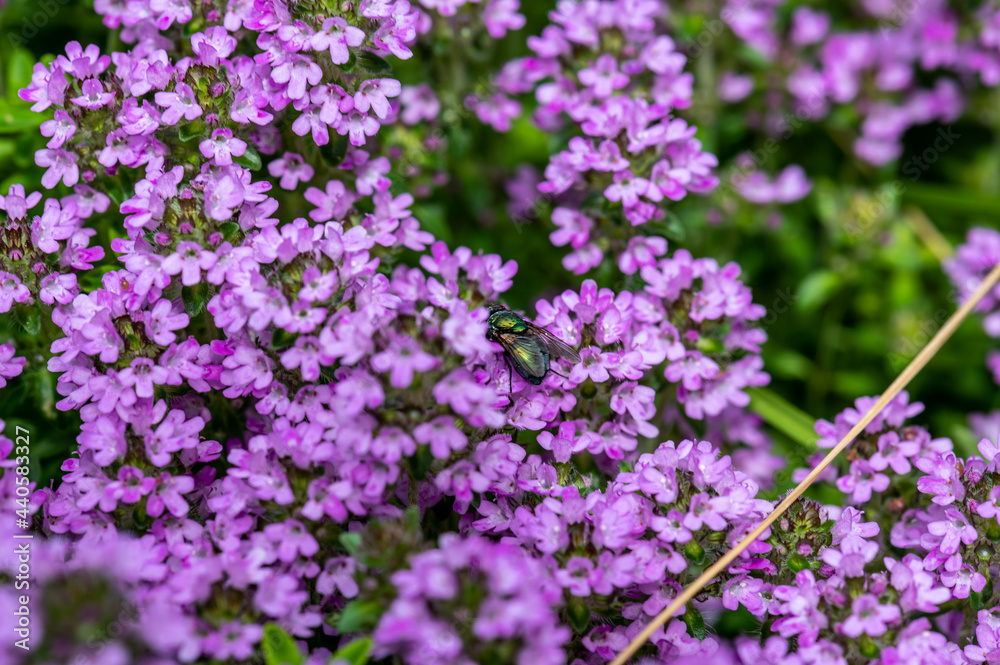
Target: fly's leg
<point x="510" y="375"/>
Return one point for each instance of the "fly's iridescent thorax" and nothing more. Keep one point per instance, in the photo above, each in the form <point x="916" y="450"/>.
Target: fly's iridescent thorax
<point x="506" y="321"/>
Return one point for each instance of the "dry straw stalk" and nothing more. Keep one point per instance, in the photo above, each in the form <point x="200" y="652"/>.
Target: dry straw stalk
<point x="901" y="381"/>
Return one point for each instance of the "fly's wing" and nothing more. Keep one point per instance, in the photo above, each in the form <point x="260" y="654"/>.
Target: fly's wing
<point x="527" y="355"/>
<point x="555" y="346"/>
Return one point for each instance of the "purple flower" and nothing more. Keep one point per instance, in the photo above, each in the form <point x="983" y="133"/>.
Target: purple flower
<point x="963" y="581"/>
<point x="222" y="147"/>
<point x="734" y="87"/>
<point x="576" y="576"/>
<point x="441" y="435"/>
<point x="751" y="592"/>
<point x="213" y="45"/>
<point x="627" y="189"/>
<point x="9" y="365"/>
<point x="169" y="11"/>
<point x="862" y="480"/>
<point x="141" y="376"/>
<point x="705" y="511"/>
<point x="331" y="204"/>
<point x="603" y="77"/>
<point x="61" y="165"/>
<point x="189" y="260"/>
<point x="809" y="26"/>
<point x="952" y="530"/>
<point x="990" y="508"/>
<point x="17" y="204"/>
<point x="233" y="639"/>
<point x="167" y="494"/>
<point x="402" y="360"/>
<point x="497" y="111"/>
<point x="565" y="443"/>
<point x="894" y="452"/>
<point x="374" y="93"/>
<point x="987" y="649"/>
<point x="943" y="480"/>
<point x="297" y="72"/>
<point x="337" y="36"/>
<point x="292" y="169"/>
<point x="501" y="16"/>
<point x="338" y="576"/>
<point x="11" y="291"/>
<point x="249" y="107"/>
<point x="357" y="126"/>
<point x="161" y="321"/>
<point x="61" y="128"/>
<point x="418" y="103"/>
<point x="93" y="96"/>
<point x="869" y="617"/>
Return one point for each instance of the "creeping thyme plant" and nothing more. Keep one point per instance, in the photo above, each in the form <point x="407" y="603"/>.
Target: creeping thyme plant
<point x="238" y="280"/>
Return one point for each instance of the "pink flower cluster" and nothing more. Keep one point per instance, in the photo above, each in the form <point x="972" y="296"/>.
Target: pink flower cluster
<point x="898" y="64"/>
<point x="605" y="69"/>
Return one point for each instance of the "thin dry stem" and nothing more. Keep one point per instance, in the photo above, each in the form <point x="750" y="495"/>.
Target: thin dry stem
<point x="901" y="381"/>
<point x="928" y="233"/>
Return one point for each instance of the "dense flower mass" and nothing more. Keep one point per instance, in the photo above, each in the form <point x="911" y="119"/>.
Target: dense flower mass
<point x="297" y="442"/>
<point x="602" y="68"/>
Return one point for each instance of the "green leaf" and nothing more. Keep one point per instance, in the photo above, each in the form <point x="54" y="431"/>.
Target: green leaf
<point x="351" y="542"/>
<point x="373" y="63"/>
<point x="694" y="552"/>
<point x="797" y="563"/>
<point x="359" y="615"/>
<point x="432" y="219"/>
<point x="281" y="339"/>
<point x="229" y="230"/>
<point x="279" y="647"/>
<point x="355" y="653"/>
<point x="333" y="153"/>
<point x="817" y="289"/>
<point x="7" y="148"/>
<point x="993" y="530"/>
<point x="670" y="227"/>
<point x="868" y="648"/>
<point x="191" y="130"/>
<point x="784" y="417"/>
<point x="980" y="599"/>
<point x="14" y="120"/>
<point x="352" y="62"/>
<point x="19" y="69"/>
<point x="32" y="321"/>
<point x="249" y="159"/>
<point x="709" y="345"/>
<point x="579" y="614"/>
<point x="695" y="622"/>
<point x="195" y="297"/>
